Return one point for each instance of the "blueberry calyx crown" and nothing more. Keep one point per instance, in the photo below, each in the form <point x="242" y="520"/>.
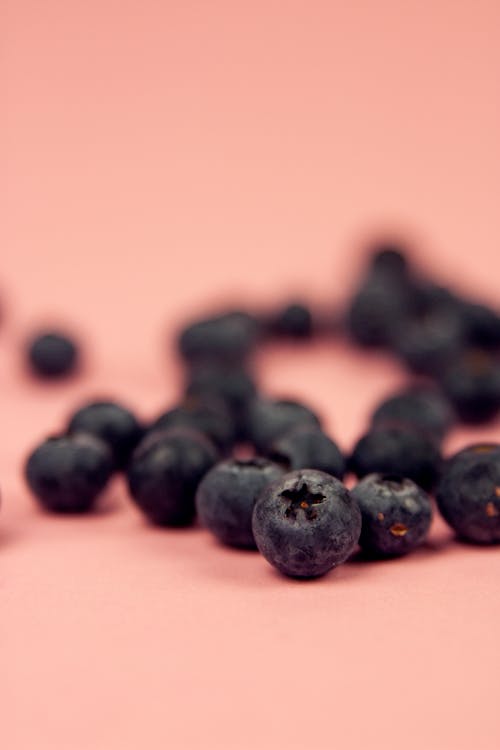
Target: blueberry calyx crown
<point x="301" y="498"/>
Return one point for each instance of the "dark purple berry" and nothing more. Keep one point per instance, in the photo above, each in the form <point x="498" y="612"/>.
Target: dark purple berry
<point x="428" y="297"/>
<point x="52" y="354"/>
<point x="397" y="450"/>
<point x="227" y="338"/>
<point x="111" y="422"/>
<point x="396" y="514"/>
<point x="233" y="385"/>
<point x="164" y="474"/>
<point x="294" y="321"/>
<point x="468" y="495"/>
<point x="421" y="407"/>
<point x="377" y="308"/>
<point x="268" y="420"/>
<point x="482" y="325"/>
<point x="472" y="384"/>
<point x="308" y="448"/>
<point x="208" y="415"/>
<point x="426" y="342"/>
<point x="67" y="473"/>
<point x="389" y="258"/>
<point x="227" y="494"/>
<point x="306" y="523"/>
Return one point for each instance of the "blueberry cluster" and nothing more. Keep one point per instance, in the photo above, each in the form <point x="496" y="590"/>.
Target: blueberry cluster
<point x="261" y="473"/>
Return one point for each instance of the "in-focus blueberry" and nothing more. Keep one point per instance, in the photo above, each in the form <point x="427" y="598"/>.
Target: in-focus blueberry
<point x="67" y="473"/>
<point x="306" y="523"/>
<point x="227" y="494"/>
<point x="396" y="514"/>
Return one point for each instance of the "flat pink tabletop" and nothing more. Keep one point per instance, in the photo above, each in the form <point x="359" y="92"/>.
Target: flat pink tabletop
<point x="165" y="157"/>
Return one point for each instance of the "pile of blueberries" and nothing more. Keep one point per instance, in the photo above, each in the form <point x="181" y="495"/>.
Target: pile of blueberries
<point x="261" y="473"/>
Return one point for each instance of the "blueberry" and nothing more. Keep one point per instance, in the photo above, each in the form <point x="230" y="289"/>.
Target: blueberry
<point x="396" y="514"/>
<point x="207" y="415"/>
<point x="482" y="325"/>
<point x="308" y="448"/>
<point x="233" y="385"/>
<point x="389" y="257"/>
<point x="421" y="407"/>
<point x="111" y="422"/>
<point x="428" y="296"/>
<point x="67" y="473"/>
<point x="426" y="342"/>
<point x="397" y="450"/>
<point x="468" y="495"/>
<point x="294" y="321"/>
<point x="472" y="384"/>
<point x="165" y="471"/>
<point x="376" y="309"/>
<point x="227" y="338"/>
<point x="268" y="420"/>
<point x="471" y="452"/>
<point x="52" y="354"/>
<point x="306" y="523"/>
<point x="227" y="494"/>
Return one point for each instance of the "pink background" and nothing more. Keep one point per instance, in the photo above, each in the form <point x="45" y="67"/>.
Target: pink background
<point x="163" y="156"/>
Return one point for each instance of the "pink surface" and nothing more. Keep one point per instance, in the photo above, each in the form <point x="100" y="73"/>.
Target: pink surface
<point x="161" y="157"/>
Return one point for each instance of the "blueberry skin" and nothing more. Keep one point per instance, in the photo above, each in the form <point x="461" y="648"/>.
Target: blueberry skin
<point x="210" y="416"/>
<point x="308" y="448"/>
<point x="396" y="514"/>
<point x="227" y="494"/>
<point x="376" y="309"/>
<point x="233" y="385"/>
<point x="423" y="408"/>
<point x="472" y="384"/>
<point x="426" y="342"/>
<point x="227" y="338"/>
<point x="294" y="321"/>
<point x="306" y="523"/>
<point x="52" y="354"/>
<point x="113" y="423"/>
<point x="67" y="473"/>
<point x="468" y="495"/>
<point x="268" y="420"/>
<point x="482" y="325"/>
<point x="164" y="474"/>
<point x="389" y="257"/>
<point x="397" y="450"/>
